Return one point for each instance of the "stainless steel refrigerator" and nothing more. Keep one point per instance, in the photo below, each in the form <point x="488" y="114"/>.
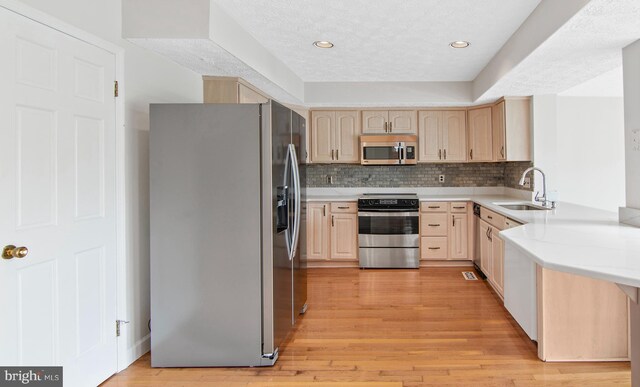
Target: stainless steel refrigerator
<point x="226" y="193"/>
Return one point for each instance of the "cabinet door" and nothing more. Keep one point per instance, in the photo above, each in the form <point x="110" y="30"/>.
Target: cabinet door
<point x="322" y="129"/>
<point x="317" y="231"/>
<point x="403" y="121"/>
<point x="499" y="132"/>
<point x="346" y="138"/>
<point x="344" y="236"/>
<point x="497" y="268"/>
<point x="480" y="136"/>
<point x="248" y="95"/>
<point x="374" y="121"/>
<point x="485" y="249"/>
<point x="429" y="128"/>
<point x="454" y="135"/>
<point x="458" y="236"/>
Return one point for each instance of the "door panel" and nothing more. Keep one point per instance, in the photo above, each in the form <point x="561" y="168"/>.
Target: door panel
<point x="347" y="135"/>
<point x="322" y="129"/>
<point x="373" y="121"/>
<point x="403" y="121"/>
<point x="499" y="132"/>
<point x="480" y="136"/>
<point x="485" y="249"/>
<point x="317" y="230"/>
<point x="429" y="123"/>
<point x="498" y="262"/>
<point x="36" y="166"/>
<point x="282" y="263"/>
<point x="458" y="236"/>
<point x="344" y="236"/>
<point x="59" y="136"/>
<point x="454" y="135"/>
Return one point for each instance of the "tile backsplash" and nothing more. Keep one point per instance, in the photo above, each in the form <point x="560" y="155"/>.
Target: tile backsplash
<point x="504" y="174"/>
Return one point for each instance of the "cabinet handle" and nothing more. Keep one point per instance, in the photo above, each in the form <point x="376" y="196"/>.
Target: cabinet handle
<point x="458" y="207"/>
<point x="502" y="151"/>
<point x="324" y="210"/>
<point x="444" y="152"/>
<point x="385" y="127"/>
<point x="434" y="248"/>
<point x="433" y="206"/>
<point x="343" y="208"/>
<point x="453" y="220"/>
<point x="487" y="232"/>
<point x="440" y="154"/>
<point x="390" y="127"/>
<point x="331" y="220"/>
<point x="489" y="216"/>
<point x="471" y="154"/>
<point x="434" y="225"/>
<point x="337" y="157"/>
<point x="490" y="234"/>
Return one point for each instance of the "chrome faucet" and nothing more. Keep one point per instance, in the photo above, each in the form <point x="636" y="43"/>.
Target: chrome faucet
<point x="542" y="199"/>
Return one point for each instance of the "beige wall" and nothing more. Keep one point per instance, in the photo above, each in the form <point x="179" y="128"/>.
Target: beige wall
<point x="149" y="78"/>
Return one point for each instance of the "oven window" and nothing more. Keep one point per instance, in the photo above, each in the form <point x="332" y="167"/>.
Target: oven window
<point x="380" y="153"/>
<point x="388" y="225"/>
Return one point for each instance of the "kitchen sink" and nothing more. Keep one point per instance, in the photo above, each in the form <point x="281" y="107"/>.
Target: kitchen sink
<point x="522" y="207"/>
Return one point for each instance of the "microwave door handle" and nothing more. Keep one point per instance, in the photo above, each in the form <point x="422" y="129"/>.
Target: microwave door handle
<point x="401" y="153"/>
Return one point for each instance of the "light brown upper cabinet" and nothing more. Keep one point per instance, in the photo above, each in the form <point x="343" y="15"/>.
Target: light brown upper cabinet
<point x="335" y="136"/>
<point x="511" y="122"/>
<point x="230" y="90"/>
<point x="442" y="135"/>
<point x="480" y="134"/>
<point x="389" y="121"/>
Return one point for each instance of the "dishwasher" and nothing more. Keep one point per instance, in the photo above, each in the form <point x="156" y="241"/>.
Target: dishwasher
<point x="476" y="240"/>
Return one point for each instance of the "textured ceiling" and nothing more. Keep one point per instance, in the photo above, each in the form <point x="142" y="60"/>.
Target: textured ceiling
<point x="587" y="46"/>
<point x="390" y="40"/>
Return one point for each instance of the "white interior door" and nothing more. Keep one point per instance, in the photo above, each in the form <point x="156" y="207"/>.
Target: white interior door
<point x="57" y="169"/>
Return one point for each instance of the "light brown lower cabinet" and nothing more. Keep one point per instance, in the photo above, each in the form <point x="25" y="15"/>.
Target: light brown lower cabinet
<point x="446" y="231"/>
<point x="332" y="234"/>
<point x="580" y="318"/>
<point x="317" y="231"/>
<point x="492" y="256"/>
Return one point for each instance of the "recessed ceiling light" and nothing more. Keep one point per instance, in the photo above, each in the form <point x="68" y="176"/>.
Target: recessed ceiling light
<point x="459" y="44"/>
<point x="323" y="44"/>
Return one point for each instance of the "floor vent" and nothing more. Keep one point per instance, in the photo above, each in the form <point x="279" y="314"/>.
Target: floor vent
<point x="469" y="276"/>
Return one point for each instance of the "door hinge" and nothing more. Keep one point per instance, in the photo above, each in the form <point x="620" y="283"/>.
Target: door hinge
<point x="118" y="324"/>
<point x="115" y="88"/>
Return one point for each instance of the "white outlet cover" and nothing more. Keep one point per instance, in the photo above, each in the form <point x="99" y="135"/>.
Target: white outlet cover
<point x="441" y="178"/>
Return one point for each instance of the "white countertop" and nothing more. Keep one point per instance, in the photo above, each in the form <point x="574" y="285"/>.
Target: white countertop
<point x="570" y="238"/>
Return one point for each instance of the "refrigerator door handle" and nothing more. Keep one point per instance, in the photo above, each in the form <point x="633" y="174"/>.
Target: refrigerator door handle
<point x="288" y="233"/>
<point x="296" y="182"/>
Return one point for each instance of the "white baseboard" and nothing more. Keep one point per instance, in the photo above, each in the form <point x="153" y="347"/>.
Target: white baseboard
<point x="134" y="353"/>
<point x="630" y="216"/>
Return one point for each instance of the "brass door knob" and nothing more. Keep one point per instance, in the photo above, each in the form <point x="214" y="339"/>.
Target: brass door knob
<point x="11" y="251"/>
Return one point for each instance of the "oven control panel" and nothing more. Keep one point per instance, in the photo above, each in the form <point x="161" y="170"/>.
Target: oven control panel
<point x="388" y="204"/>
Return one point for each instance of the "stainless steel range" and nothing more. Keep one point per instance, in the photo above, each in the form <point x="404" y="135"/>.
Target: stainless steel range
<point x="389" y="231"/>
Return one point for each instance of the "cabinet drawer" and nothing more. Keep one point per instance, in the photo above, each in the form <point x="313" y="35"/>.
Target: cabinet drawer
<point x="433" y="248"/>
<point x="510" y="223"/>
<point x="434" y="224"/>
<point x="434" y="206"/>
<point x="458" y="206"/>
<point x="350" y="207"/>
<point x="492" y="218"/>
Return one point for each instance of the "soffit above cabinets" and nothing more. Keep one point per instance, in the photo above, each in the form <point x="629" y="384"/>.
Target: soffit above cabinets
<point x="391" y="52"/>
<point x="381" y="41"/>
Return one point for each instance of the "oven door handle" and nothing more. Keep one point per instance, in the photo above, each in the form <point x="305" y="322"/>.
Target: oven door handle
<point x="388" y="214"/>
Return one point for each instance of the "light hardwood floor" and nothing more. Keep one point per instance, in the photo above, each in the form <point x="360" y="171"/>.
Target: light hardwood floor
<point x="396" y="328"/>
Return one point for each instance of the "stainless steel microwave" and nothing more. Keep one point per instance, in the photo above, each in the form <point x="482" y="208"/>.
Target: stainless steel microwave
<point x="384" y="149"/>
